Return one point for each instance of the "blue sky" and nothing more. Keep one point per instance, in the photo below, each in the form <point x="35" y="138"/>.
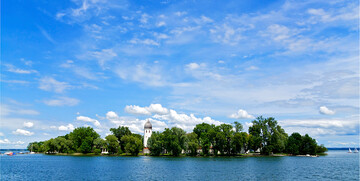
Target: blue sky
<point x="103" y="63"/>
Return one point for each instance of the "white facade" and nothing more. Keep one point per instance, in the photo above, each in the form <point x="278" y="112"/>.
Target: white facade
<point x="147" y="132"/>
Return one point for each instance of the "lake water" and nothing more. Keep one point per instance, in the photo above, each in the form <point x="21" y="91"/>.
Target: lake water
<point x="337" y="165"/>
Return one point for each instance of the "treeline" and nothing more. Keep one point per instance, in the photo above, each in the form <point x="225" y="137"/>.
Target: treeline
<point x="265" y="135"/>
<point x="86" y="140"/>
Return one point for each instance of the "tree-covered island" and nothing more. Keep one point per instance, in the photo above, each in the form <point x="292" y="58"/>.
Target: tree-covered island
<point x="264" y="136"/>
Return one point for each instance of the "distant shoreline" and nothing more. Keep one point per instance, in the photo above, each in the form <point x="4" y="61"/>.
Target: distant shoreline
<point x="140" y="154"/>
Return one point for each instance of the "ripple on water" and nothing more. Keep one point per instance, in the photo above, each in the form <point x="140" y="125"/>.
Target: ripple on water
<point x="338" y="165"/>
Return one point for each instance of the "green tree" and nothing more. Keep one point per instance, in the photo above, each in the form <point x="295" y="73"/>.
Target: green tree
<point x="293" y="145"/>
<point x="63" y="145"/>
<point x="99" y="143"/>
<point x="36" y="146"/>
<point x="155" y="143"/>
<point x="321" y="149"/>
<point x="240" y="141"/>
<point x="308" y="145"/>
<point x="238" y="127"/>
<point x="119" y="133"/>
<point x="273" y="137"/>
<point x="83" y="138"/>
<point x="50" y="146"/>
<point x="112" y="143"/>
<point x="133" y="144"/>
<point x="206" y="135"/>
<point x="191" y="143"/>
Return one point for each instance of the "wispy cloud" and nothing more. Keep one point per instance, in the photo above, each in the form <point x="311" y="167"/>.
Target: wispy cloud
<point x="46" y="35"/>
<point x="62" y="101"/>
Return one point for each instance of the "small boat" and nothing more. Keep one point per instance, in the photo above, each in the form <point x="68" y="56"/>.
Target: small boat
<point x="9" y="153"/>
<point x="356" y="151"/>
<point x="349" y="151"/>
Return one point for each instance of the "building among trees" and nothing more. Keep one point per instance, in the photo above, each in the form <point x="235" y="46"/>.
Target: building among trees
<point x="147" y="135"/>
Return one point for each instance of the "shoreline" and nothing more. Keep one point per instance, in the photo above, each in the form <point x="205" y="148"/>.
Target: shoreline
<point x="140" y="154"/>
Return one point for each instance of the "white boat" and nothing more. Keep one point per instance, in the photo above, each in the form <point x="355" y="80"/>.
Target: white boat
<point x="356" y="151"/>
<point x="349" y="151"/>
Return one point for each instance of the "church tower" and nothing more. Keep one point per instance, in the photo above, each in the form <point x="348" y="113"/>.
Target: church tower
<point x="147" y="132"/>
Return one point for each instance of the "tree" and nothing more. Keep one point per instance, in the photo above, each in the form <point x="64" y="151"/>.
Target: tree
<point x="50" y="146"/>
<point x="240" y="141"/>
<point x="112" y="143"/>
<point x="155" y="143"/>
<point x="238" y="127"/>
<point x="99" y="143"/>
<point x="63" y="145"/>
<point x="206" y="135"/>
<point x="294" y="144"/>
<point x="36" y="146"/>
<point x="226" y="130"/>
<point x="174" y="140"/>
<point x="83" y="138"/>
<point x="191" y="143"/>
<point x="273" y="137"/>
<point x="119" y="133"/>
<point x="308" y="145"/>
<point x="133" y="144"/>
<point x="321" y="149"/>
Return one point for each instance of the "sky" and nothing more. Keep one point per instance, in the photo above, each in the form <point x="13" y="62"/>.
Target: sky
<point x="104" y="64"/>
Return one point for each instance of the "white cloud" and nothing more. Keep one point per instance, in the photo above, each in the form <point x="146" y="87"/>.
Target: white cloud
<point x="1" y="134"/>
<point x="81" y="71"/>
<point x="87" y="119"/>
<point x="111" y="115"/>
<point x="50" y="84"/>
<point x="13" y="69"/>
<point x="152" y="109"/>
<point x="180" y="13"/>
<point x="46" y="34"/>
<point x="144" y="42"/>
<point x="22" y="132"/>
<point x="142" y="73"/>
<point x="68" y="127"/>
<point x="184" y="121"/>
<point x="157" y="109"/>
<point x="28" y="124"/>
<point x="221" y="61"/>
<point x="103" y="56"/>
<point x="62" y="101"/>
<point x="252" y="68"/>
<point x="6" y="110"/>
<point x="135" y="125"/>
<point x="325" y="110"/>
<point x="193" y="66"/>
<point x="160" y="24"/>
<point x="132" y="109"/>
<point x="144" y="18"/>
<point x="241" y="114"/>
<point x="4" y="141"/>
<point x="321" y="126"/>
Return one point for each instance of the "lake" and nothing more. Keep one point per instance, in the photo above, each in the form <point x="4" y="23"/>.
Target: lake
<point x="337" y="165"/>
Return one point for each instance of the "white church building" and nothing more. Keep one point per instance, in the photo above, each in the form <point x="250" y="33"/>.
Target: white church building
<point x="147" y="135"/>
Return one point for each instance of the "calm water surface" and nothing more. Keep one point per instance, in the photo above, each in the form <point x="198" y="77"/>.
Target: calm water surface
<point x="337" y="165"/>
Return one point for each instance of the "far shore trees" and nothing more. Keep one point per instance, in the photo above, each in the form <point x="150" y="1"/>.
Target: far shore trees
<point x="206" y="139"/>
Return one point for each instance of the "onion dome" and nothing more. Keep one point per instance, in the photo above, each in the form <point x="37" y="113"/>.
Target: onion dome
<point x="147" y="125"/>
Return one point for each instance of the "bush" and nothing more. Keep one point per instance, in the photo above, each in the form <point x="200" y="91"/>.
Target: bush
<point x="97" y="151"/>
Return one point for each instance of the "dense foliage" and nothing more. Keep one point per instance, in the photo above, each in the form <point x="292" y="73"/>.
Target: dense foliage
<point x="86" y="140"/>
<point x="265" y="136"/>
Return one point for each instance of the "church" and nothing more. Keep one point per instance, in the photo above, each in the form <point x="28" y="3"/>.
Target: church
<point x="147" y="135"/>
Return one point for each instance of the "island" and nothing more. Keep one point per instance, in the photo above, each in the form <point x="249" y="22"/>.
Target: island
<point x="265" y="137"/>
